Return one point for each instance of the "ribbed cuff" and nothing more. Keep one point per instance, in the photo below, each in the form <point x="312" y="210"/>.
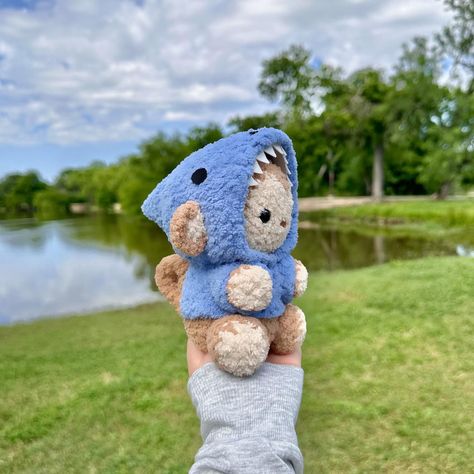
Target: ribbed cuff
<point x="264" y="404"/>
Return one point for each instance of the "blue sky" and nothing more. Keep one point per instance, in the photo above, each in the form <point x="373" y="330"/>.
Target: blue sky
<point x="84" y="80"/>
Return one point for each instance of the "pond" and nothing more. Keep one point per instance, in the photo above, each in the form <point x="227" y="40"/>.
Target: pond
<point x="92" y="263"/>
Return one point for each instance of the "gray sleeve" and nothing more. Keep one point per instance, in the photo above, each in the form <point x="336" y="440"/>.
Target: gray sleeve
<point x="248" y="424"/>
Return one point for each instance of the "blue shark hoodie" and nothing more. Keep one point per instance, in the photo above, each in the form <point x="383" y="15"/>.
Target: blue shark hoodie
<point x="229" y="163"/>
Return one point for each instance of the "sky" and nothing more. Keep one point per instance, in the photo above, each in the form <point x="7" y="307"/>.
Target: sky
<point x="87" y="80"/>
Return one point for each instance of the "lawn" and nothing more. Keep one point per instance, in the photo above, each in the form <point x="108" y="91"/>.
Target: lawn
<point x="458" y="213"/>
<point x="389" y="381"/>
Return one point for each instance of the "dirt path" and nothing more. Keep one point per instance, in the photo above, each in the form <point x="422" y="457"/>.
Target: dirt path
<point x="321" y="203"/>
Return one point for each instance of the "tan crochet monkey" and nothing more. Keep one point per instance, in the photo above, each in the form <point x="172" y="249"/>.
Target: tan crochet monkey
<point x="250" y="312"/>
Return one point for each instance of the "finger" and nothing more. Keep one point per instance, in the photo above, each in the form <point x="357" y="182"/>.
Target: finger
<point x="293" y="358"/>
<point x="195" y="357"/>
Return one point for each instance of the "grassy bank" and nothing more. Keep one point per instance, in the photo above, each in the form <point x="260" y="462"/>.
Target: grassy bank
<point x="456" y="213"/>
<point x="388" y="384"/>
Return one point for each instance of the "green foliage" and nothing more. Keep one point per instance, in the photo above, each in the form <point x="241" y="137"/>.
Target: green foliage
<point x="108" y="391"/>
<point x="132" y="193"/>
<point x="141" y="172"/>
<point x="311" y="152"/>
<point x="450" y="157"/>
<point x="289" y="79"/>
<point x="51" y="203"/>
<point x="96" y="184"/>
<point x="457" y="39"/>
<point x="158" y="156"/>
<point x="419" y="131"/>
<point x="199" y="137"/>
<point x="415" y="101"/>
<point x="242" y="124"/>
<point x="356" y="106"/>
<point x="17" y="192"/>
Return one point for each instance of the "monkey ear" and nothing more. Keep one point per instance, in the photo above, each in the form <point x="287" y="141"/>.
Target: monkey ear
<point x="187" y="230"/>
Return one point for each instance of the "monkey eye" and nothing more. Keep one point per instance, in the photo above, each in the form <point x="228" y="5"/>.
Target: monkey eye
<point x="265" y="216"/>
<point x="199" y="176"/>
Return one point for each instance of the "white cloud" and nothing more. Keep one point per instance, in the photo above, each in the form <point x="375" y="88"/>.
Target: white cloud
<point x="87" y="71"/>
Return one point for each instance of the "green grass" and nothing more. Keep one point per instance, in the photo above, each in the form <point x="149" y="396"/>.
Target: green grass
<point x="389" y="381"/>
<point x="457" y="213"/>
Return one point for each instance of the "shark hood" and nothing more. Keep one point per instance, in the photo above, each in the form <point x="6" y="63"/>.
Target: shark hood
<point x="217" y="178"/>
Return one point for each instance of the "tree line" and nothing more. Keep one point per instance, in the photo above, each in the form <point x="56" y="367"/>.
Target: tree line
<point x="370" y="132"/>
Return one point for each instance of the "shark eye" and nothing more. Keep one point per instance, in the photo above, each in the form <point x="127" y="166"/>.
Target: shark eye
<point x="199" y="176"/>
<point x="265" y="216"/>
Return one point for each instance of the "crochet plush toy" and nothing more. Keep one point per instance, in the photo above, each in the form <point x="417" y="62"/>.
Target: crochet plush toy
<point x="230" y="211"/>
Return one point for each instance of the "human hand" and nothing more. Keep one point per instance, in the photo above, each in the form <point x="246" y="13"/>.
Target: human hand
<point x="196" y="358"/>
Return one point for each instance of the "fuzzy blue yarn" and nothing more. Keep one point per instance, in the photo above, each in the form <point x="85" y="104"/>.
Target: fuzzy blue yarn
<point x="229" y="163"/>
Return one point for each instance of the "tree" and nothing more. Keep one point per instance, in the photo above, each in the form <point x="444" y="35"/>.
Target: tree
<point x="289" y="79"/>
<point x="96" y="184"/>
<point x="369" y="107"/>
<point x="201" y="136"/>
<point x="457" y="39"/>
<point x="414" y="100"/>
<point x="141" y="172"/>
<point x="434" y="123"/>
<point x="242" y="124"/>
<point x="17" y="191"/>
<point x="51" y="203"/>
<point x="358" y="103"/>
<point x="450" y="156"/>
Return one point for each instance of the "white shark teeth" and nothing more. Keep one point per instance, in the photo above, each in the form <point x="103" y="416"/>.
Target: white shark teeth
<point x="274" y="151"/>
<point x="257" y="169"/>
<point x="270" y="151"/>
<point x="262" y="157"/>
<point x="280" y="149"/>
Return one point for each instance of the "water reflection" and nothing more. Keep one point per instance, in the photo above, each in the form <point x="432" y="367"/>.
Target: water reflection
<point x="60" y="268"/>
<point x="90" y="263"/>
<point x="335" y="248"/>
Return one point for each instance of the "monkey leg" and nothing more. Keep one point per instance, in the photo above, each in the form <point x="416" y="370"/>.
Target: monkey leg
<point x="197" y="330"/>
<point x="288" y="330"/>
<point x="238" y="344"/>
